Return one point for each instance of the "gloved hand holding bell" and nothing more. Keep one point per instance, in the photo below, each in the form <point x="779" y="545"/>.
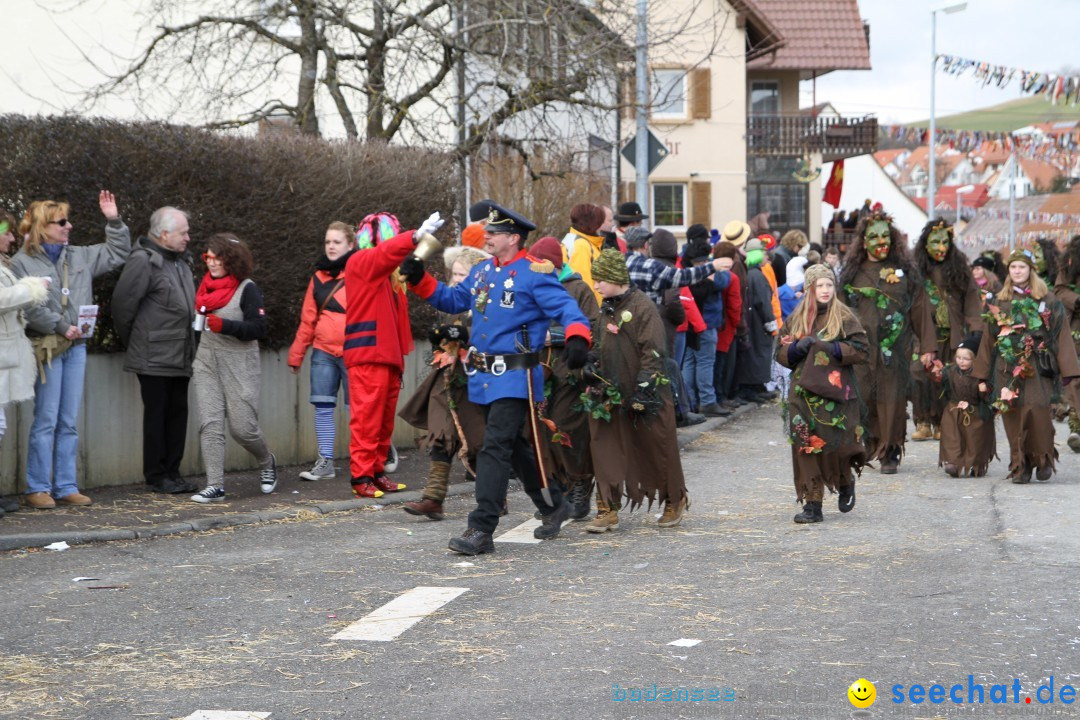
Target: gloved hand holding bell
<point x="427" y="245"/>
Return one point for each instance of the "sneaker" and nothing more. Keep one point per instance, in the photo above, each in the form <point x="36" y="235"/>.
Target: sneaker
<point x="386" y="484"/>
<point x="212" y="493"/>
<point x="392" y="459"/>
<point x="323" y="470"/>
<point x="268" y="476"/>
<point x="363" y="487"/>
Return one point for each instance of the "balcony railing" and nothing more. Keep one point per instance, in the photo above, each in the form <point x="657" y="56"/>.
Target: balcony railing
<point x="834" y="137"/>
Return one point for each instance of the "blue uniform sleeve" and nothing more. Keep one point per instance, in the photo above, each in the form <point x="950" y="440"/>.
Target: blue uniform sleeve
<point x="456" y="299"/>
<point x="560" y="306"/>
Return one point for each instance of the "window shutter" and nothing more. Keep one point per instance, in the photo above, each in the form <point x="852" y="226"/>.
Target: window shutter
<point x="700" y="203"/>
<point x="701" y="93"/>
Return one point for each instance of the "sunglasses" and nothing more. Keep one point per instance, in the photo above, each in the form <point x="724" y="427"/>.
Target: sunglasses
<point x="208" y="258"/>
<point x="62" y="222"/>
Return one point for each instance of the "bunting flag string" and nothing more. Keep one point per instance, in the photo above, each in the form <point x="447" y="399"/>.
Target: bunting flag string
<point x="1043" y="218"/>
<point x="1034" y="146"/>
<point x="1053" y="87"/>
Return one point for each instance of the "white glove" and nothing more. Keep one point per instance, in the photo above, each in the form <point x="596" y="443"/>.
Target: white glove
<point x="433" y="223"/>
<point x="771" y="326"/>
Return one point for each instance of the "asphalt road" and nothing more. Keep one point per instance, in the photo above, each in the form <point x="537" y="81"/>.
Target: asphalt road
<point x="929" y="580"/>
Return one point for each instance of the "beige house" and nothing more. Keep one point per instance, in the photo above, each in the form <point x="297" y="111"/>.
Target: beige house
<point x="725" y="103"/>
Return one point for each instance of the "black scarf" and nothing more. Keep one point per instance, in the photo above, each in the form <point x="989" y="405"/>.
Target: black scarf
<point x="333" y="267"/>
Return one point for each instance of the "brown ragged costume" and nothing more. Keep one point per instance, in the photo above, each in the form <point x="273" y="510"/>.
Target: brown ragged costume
<point x="826" y="444"/>
<point x="1067" y="290"/>
<point x="635" y="454"/>
<point x="443" y="394"/>
<point x="956" y="313"/>
<point x="568" y="460"/>
<point x="967" y="425"/>
<point x="1027" y="417"/>
<point x="884" y="381"/>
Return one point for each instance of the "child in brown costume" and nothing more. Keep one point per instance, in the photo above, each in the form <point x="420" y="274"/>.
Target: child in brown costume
<point x="822" y="336"/>
<point x="441" y="404"/>
<point x="635" y="449"/>
<point x="967" y="425"/>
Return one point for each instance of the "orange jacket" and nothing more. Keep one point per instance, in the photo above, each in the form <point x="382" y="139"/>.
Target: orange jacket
<point x="770" y="275"/>
<point x="325" y="330"/>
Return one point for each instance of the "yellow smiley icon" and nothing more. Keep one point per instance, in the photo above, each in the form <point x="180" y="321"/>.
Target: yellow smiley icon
<point x="862" y="693"/>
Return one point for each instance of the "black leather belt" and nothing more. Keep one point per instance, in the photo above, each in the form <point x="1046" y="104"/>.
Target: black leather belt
<point x="476" y="361"/>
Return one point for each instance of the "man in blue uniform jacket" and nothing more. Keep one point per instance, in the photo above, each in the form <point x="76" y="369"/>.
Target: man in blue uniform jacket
<point x="513" y="298"/>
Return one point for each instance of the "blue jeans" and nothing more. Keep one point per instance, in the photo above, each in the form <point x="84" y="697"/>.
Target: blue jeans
<point x="327" y="376"/>
<point x="54" y="437"/>
<point x="719" y="372"/>
<point x="697" y="370"/>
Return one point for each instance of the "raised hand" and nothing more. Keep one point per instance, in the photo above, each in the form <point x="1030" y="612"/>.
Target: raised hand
<point x="107" y="202"/>
<point x="431" y="225"/>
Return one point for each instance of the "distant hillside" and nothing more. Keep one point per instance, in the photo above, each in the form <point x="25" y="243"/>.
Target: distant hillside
<point x="1012" y="115"/>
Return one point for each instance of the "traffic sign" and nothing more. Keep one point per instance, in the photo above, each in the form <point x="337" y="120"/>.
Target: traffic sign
<point x="657" y="151"/>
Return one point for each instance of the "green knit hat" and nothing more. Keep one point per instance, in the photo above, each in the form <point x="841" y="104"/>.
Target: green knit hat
<point x="611" y="267"/>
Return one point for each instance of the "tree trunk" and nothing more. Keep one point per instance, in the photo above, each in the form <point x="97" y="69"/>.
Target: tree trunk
<point x="306" y="117"/>
<point x="376" y="80"/>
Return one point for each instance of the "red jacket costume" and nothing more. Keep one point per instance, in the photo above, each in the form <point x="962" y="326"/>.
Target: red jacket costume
<point x="377" y="317"/>
<point x="732" y="314"/>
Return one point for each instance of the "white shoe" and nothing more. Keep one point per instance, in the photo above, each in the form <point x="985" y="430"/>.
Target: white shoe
<point x="392" y="460"/>
<point x="268" y="476"/>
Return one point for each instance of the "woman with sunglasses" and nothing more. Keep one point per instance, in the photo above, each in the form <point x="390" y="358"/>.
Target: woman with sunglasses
<point x="71" y="269"/>
<point x="226" y="371"/>
<point x="17" y="367"/>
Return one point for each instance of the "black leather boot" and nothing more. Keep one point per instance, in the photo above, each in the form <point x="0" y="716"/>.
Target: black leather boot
<point x="473" y="542"/>
<point x="891" y="462"/>
<point x="552" y="522"/>
<point x="579" y="501"/>
<point x="811" y="513"/>
<point x="846" y="501"/>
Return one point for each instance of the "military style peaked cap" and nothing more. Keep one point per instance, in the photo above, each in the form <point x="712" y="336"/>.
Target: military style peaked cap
<point x="501" y="220"/>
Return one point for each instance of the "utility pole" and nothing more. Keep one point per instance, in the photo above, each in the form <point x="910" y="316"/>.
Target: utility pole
<point x="641" y="147"/>
<point x="1012" y="201"/>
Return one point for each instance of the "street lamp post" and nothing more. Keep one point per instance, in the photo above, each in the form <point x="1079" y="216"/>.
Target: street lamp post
<point x="947" y="6"/>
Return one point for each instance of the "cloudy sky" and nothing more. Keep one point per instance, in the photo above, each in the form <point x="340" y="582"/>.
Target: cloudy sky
<point x="1035" y="35"/>
<point x="43" y="67"/>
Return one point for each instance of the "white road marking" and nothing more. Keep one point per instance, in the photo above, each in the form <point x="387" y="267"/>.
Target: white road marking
<point x="227" y="715"/>
<point x="523" y="533"/>
<point x="395" y="617"/>
<point x="684" y="642"/>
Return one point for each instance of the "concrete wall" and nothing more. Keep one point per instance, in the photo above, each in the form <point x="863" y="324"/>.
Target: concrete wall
<point x="110" y="423"/>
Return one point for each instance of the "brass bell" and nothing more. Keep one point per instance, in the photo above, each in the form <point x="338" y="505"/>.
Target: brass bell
<point x="427" y="247"/>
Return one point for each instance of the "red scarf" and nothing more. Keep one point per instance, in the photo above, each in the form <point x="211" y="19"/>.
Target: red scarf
<point x="215" y="293"/>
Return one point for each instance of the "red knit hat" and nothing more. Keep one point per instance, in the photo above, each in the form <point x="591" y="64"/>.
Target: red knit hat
<point x="767" y="240"/>
<point x="473" y="235"/>
<point x="548" y="248"/>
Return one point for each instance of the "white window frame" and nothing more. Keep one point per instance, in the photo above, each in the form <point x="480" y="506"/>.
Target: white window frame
<point x="654" y="112"/>
<point x="685" y="204"/>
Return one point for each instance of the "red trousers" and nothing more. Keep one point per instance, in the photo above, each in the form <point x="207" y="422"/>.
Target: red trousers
<point x="373" y="396"/>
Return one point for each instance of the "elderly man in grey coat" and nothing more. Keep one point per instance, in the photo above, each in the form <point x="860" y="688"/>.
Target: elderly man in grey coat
<point x="153" y="308"/>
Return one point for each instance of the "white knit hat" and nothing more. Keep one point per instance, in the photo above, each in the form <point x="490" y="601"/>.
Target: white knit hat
<point x="795" y="276"/>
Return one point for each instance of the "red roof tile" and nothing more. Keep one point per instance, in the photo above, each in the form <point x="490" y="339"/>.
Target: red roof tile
<point x="821" y="35"/>
<point x="945" y="196"/>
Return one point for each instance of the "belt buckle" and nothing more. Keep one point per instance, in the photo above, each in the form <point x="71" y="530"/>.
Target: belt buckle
<point x="498" y="367"/>
<point x="469" y="369"/>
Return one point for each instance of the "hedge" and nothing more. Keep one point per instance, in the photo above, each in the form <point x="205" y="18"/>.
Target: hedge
<point x="277" y="191"/>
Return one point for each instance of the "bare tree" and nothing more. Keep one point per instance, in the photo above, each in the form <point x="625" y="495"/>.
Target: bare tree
<point x="532" y="70"/>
